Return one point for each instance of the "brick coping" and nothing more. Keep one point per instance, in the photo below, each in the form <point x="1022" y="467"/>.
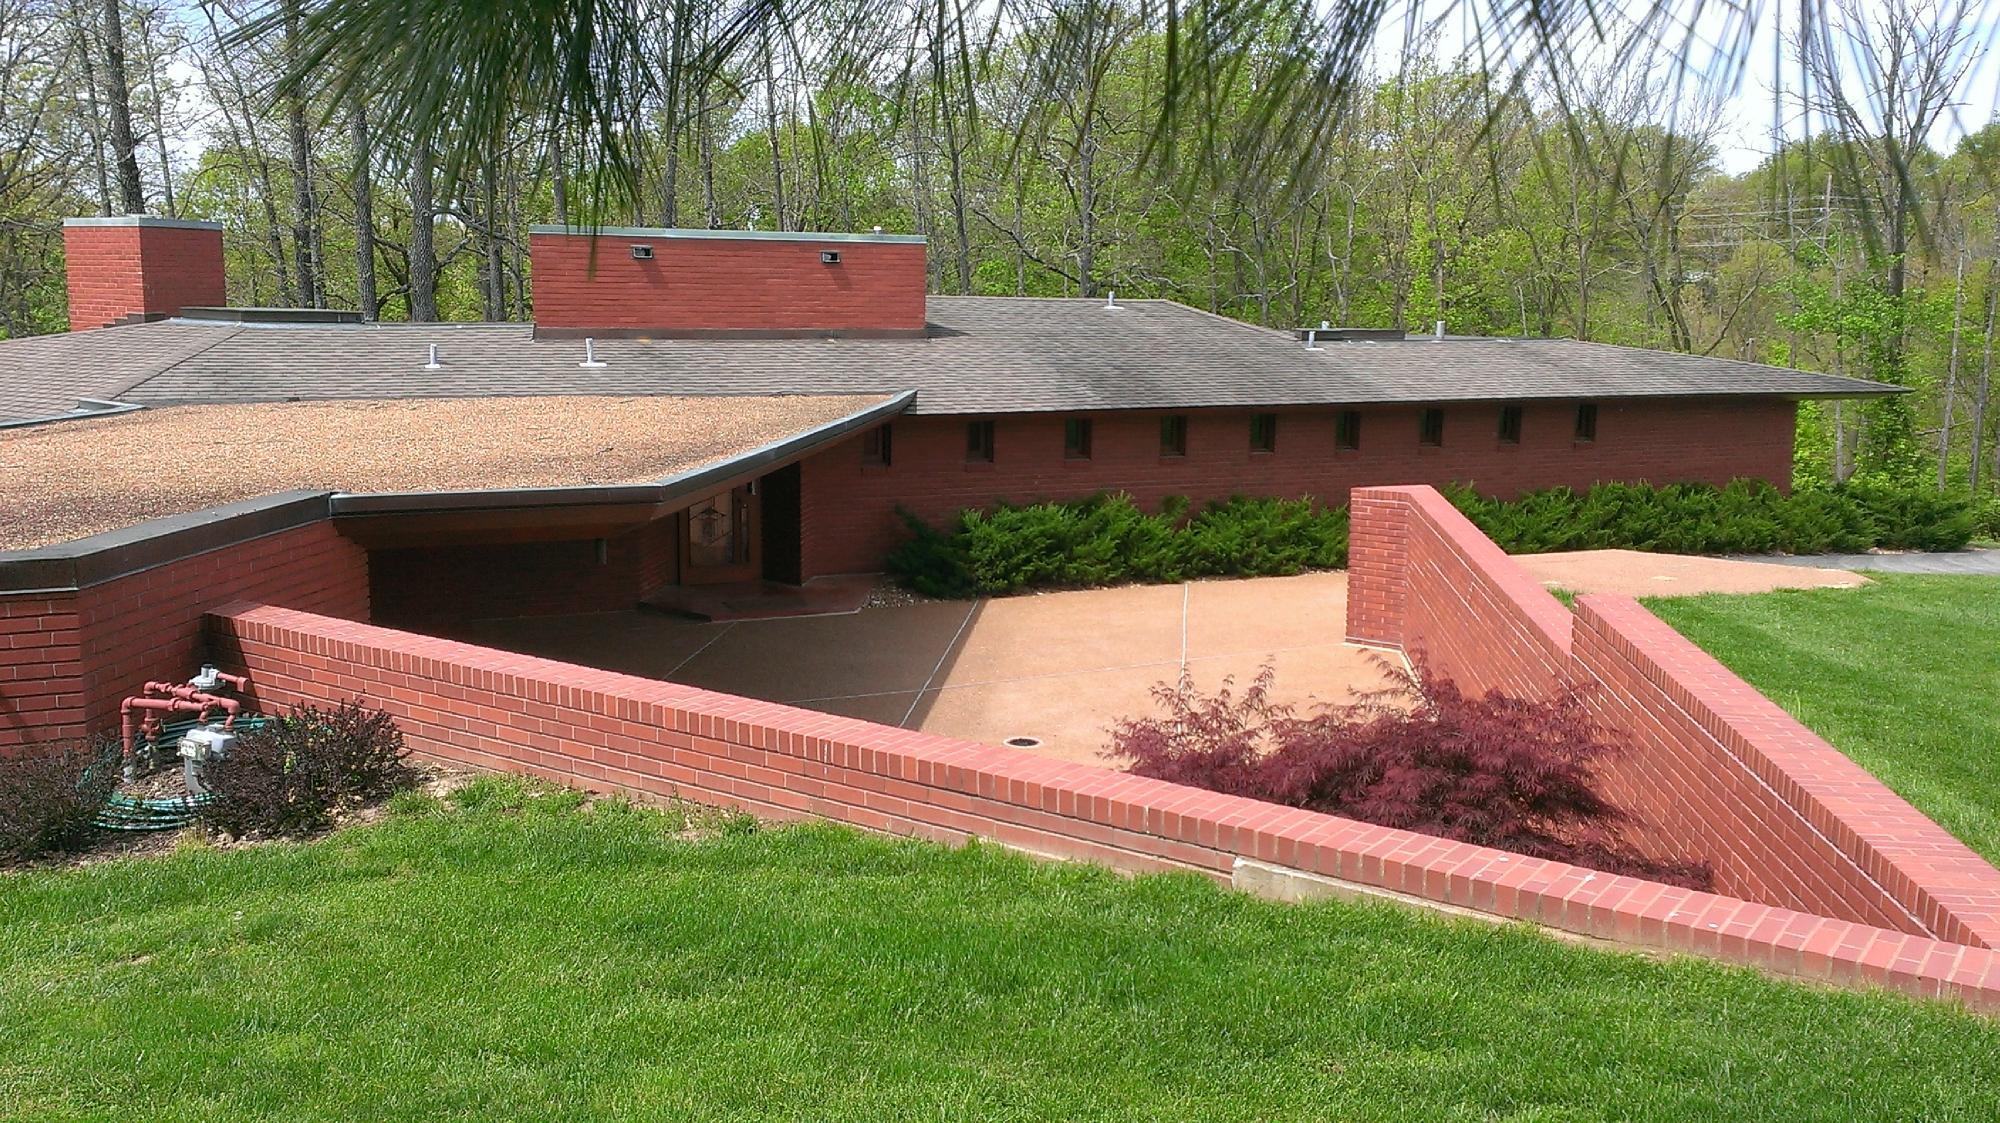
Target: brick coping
<point x="615" y="732"/>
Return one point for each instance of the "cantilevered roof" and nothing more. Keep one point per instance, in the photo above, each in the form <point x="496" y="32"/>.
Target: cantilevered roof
<point x="64" y="482"/>
<point x="980" y="355"/>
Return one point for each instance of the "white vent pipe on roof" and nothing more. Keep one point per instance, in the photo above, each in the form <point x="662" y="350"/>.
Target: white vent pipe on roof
<point x="590" y="355"/>
<point x="1111" y="300"/>
<point x="1439" y="337"/>
<point x="433" y="363"/>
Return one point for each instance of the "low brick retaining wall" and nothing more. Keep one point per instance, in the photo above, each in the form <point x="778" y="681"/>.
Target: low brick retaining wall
<point x="1718" y="771"/>
<point x="617" y="733"/>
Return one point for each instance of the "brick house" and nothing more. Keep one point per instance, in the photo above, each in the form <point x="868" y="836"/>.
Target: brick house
<point x="827" y="392"/>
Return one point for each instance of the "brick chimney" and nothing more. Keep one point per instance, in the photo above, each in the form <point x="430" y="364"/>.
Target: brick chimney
<point x="137" y="267"/>
<point x="636" y="282"/>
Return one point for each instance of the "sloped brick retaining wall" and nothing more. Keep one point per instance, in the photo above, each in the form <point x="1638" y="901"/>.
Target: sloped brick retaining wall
<point x="1717" y="770"/>
<point x="612" y="732"/>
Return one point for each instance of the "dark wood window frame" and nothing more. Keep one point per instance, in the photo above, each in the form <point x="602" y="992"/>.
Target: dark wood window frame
<point x="1263" y="433"/>
<point x="1347" y="431"/>
<point x="1510" y="425"/>
<point x="1586" y="423"/>
<point x="1173" y="435"/>
<point x="979" y="442"/>
<point x="1076" y="438"/>
<point x="877" y="449"/>
<point x="1430" y="428"/>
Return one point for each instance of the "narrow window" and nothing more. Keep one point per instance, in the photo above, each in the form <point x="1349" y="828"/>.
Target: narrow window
<point x="979" y="442"/>
<point x="875" y="447"/>
<point x="1263" y="432"/>
<point x="1510" y="425"/>
<point x="1347" y="430"/>
<point x="1430" y="429"/>
<point x="1076" y="438"/>
<point x="1173" y="435"/>
<point x="1586" y="422"/>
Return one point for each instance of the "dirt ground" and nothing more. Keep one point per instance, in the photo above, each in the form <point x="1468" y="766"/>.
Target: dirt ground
<point x="1061" y="668"/>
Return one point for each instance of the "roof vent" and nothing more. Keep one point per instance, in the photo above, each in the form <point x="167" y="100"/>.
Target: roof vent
<point x="1439" y="337"/>
<point x="1111" y="300"/>
<point x="433" y="363"/>
<point x="590" y="360"/>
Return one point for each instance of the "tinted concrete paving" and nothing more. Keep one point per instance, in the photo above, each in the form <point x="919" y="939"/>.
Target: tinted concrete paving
<point x="1059" y="667"/>
<point x="1972" y="562"/>
<point x="1635" y="573"/>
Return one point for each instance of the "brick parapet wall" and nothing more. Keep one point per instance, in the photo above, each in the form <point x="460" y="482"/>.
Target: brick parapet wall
<point x="703" y="284"/>
<point x="68" y="658"/>
<point x="611" y="732"/>
<point x="850" y="505"/>
<point x="1713" y="769"/>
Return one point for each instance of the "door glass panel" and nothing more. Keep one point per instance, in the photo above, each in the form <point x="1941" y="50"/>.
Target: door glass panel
<point x="713" y="527"/>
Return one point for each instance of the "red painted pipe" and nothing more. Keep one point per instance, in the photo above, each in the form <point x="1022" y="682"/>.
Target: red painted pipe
<point x="180" y="700"/>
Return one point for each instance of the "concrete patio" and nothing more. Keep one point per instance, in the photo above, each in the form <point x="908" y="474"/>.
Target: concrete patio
<point x="1058" y="667"/>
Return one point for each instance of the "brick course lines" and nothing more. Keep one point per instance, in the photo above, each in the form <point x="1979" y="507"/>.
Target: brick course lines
<point x="67" y="659"/>
<point x="120" y="272"/>
<point x="1715" y="770"/>
<point x="611" y="732"/>
<point x="850" y="506"/>
<point x="716" y="284"/>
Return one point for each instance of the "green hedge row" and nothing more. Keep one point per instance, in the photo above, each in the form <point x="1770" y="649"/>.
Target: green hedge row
<point x="1108" y="540"/>
<point x="1746" y="517"/>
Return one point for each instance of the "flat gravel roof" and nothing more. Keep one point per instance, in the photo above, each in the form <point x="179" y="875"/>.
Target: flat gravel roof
<point x="65" y="481"/>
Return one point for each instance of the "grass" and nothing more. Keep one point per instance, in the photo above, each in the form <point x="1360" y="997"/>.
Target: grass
<point x="511" y="955"/>
<point x="1902" y="675"/>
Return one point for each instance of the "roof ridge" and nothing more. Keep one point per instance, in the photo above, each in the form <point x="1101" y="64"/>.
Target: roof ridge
<point x="227" y="335"/>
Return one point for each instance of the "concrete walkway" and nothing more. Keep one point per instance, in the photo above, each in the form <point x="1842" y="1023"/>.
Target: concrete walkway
<point x="1978" y="562"/>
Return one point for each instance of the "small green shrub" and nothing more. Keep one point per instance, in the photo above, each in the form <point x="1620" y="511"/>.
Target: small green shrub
<point x="1745" y="517"/>
<point x="50" y="792"/>
<point x="287" y="778"/>
<point x="1109" y="540"/>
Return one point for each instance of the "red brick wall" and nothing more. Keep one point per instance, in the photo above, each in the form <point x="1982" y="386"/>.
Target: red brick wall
<point x="850" y="505"/>
<point x="125" y="271"/>
<point x="41" y="668"/>
<point x="430" y="585"/>
<point x="80" y="653"/>
<point x="1714" y="769"/>
<point x="695" y="284"/>
<point x="641" y="737"/>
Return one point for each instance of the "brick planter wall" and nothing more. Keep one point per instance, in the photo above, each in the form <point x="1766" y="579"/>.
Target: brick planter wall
<point x="1716" y="770"/>
<point x="616" y="733"/>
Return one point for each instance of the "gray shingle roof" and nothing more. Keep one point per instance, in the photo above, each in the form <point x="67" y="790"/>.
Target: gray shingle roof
<point x="982" y="355"/>
<point x="46" y="375"/>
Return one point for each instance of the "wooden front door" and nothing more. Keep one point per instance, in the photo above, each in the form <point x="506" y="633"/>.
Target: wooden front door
<point x="719" y="535"/>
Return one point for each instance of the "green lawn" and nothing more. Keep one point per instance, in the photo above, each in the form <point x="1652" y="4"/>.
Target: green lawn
<point x="514" y="957"/>
<point x="1902" y="675"/>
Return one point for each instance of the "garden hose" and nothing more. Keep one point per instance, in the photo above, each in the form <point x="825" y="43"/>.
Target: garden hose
<point x="129" y="813"/>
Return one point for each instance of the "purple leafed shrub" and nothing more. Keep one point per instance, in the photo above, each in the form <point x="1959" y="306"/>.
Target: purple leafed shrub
<point x="49" y="793"/>
<point x="1496" y="770"/>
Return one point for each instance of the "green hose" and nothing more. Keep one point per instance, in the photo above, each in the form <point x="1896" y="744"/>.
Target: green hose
<point x="126" y="813"/>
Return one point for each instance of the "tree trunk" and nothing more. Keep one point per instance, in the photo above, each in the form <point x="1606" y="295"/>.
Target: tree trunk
<point x="305" y="209"/>
<point x="423" y="232"/>
<point x="364" y="216"/>
<point x="124" y="149"/>
<point x="771" y="127"/>
<point x="1951" y="375"/>
<point x="93" y="125"/>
